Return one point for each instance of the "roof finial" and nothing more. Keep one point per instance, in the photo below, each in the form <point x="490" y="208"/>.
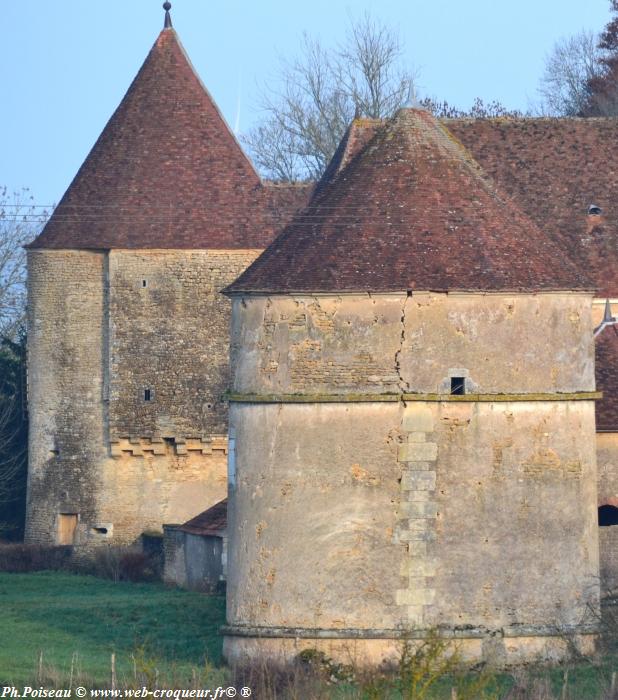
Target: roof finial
<point x="167" y="6"/>
<point x="608" y="319"/>
<point x="411" y="102"/>
<point x="607" y="316"/>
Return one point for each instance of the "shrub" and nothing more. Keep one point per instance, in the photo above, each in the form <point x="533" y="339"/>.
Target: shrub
<point x="124" y="564"/>
<point x="22" y="558"/>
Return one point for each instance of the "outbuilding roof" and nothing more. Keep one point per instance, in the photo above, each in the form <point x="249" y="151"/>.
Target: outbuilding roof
<point x="211" y="522"/>
<point x="167" y="172"/>
<point x="411" y="210"/>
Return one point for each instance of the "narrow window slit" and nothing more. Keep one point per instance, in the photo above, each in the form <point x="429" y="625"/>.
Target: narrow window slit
<point x="458" y="385"/>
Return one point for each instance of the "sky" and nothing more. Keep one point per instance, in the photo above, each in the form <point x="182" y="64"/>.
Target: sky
<point x="65" y="66"/>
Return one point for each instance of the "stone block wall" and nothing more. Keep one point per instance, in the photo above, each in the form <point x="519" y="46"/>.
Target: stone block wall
<point x="169" y="333"/>
<point x="103" y="328"/>
<point x="370" y="500"/>
<point x="66" y="357"/>
<point x="376" y="343"/>
<point x="607" y="456"/>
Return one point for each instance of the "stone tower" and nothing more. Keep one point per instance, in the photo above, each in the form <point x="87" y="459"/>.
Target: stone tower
<point x="128" y="334"/>
<point x="412" y="408"/>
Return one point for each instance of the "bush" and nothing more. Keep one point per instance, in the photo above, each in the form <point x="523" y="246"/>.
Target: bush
<point x="22" y="558"/>
<point x="124" y="564"/>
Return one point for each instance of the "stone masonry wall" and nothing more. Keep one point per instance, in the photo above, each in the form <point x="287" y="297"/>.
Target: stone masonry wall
<point x="473" y="513"/>
<point x="607" y="456"/>
<point x="97" y="339"/>
<point x="376" y="343"/>
<point x="169" y="333"/>
<point x="66" y="339"/>
<point x="456" y="514"/>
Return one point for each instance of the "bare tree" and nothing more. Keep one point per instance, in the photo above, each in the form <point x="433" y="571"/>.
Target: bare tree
<point x="569" y="68"/>
<point x="20" y="221"/>
<point x="320" y="93"/>
<point x="479" y="110"/>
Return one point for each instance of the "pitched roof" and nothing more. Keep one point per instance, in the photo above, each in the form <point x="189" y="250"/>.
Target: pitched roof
<point x="168" y="173"/>
<point x="411" y="210"/>
<point x="555" y="169"/>
<point x="211" y="522"/>
<point x="606" y="368"/>
<point x="356" y="137"/>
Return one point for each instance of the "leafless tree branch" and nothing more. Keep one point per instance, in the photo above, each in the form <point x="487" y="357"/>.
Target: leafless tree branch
<point x="320" y="93"/>
<point x="570" y="66"/>
<point x="20" y="221"/>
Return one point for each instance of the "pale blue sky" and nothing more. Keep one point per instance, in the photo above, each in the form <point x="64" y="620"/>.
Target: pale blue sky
<point x="65" y="64"/>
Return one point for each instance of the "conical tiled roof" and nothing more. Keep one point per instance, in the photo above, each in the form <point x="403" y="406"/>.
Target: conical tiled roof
<point x="412" y="210"/>
<point x="167" y="172"/>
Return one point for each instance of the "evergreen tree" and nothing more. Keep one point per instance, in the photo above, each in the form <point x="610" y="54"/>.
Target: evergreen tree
<point x="13" y="437"/>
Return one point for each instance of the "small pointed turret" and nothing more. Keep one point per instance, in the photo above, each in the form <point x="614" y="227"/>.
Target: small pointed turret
<point x="608" y="319"/>
<point x="411" y="101"/>
<point x="607" y="316"/>
<point x="167" y="24"/>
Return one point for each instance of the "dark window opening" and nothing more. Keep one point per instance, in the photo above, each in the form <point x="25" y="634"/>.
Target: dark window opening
<point x="608" y="515"/>
<point x="458" y="385"/>
<point x="144" y="283"/>
<point x="100" y="530"/>
<point x="147" y="394"/>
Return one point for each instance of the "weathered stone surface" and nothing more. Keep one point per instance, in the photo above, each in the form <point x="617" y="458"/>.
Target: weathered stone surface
<point x="103" y="328"/>
<point x="362" y="343"/>
<point x="455" y="522"/>
<point x="170" y="336"/>
<point x="418" y="452"/>
<point x="607" y="456"/>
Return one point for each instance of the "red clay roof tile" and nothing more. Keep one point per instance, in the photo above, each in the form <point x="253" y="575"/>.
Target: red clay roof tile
<point x="168" y="173"/>
<point x="555" y="169"/>
<point x="607" y="378"/>
<point x="412" y="210"/>
<point x="211" y="522"/>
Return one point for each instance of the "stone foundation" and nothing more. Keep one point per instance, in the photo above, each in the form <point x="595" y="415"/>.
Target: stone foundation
<point x="372" y="648"/>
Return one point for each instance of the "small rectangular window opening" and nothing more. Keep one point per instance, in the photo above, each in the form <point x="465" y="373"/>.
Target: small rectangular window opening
<point x="147" y="394"/>
<point x="458" y="385"/>
<point x="144" y="283"/>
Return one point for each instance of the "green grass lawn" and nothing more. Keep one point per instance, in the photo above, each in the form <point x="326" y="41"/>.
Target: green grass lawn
<point x="150" y="628"/>
<point x="170" y="637"/>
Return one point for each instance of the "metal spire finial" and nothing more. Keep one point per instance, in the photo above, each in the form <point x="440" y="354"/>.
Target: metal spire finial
<point x="607" y="316"/>
<point x="608" y="319"/>
<point x="167" y="24"/>
<point x="411" y="102"/>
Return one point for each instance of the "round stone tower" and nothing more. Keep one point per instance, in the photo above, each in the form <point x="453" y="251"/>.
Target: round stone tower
<point x="413" y="419"/>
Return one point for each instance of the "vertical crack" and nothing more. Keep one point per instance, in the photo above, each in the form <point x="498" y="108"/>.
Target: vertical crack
<point x="403" y="385"/>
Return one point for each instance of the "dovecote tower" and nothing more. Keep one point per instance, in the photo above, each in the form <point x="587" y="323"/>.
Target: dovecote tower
<point x="413" y="412"/>
<point x="128" y="334"/>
